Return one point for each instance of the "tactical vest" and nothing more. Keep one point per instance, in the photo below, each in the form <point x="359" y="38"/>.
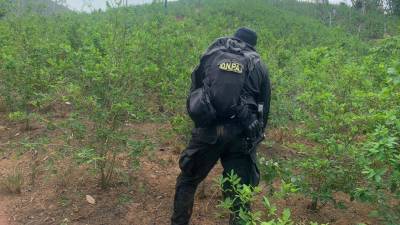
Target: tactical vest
<point x="226" y="66"/>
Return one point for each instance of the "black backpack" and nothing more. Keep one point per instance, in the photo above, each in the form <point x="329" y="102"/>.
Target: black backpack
<point x="226" y="67"/>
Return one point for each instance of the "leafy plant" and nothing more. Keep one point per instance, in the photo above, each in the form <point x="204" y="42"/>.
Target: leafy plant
<point x="382" y="172"/>
<point x="335" y="79"/>
<point x="243" y="196"/>
<point x="13" y="182"/>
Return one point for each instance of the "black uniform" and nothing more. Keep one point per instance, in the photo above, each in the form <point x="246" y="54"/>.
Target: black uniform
<point x="224" y="140"/>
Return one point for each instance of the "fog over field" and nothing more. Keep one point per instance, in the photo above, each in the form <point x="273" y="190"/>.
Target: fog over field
<point x="86" y="5"/>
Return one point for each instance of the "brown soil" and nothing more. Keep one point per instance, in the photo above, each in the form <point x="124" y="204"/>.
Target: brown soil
<point x="59" y="197"/>
<point x="4" y="218"/>
<point x="5" y="202"/>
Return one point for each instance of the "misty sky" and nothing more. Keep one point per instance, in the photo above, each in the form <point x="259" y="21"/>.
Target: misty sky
<point x="101" y="4"/>
<point x="96" y="4"/>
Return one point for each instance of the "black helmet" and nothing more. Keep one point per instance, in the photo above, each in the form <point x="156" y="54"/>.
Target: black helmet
<point x="247" y="35"/>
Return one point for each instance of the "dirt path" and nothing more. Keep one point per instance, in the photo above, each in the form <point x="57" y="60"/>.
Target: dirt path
<point x="4" y="201"/>
<point x="147" y="199"/>
<point x="3" y="215"/>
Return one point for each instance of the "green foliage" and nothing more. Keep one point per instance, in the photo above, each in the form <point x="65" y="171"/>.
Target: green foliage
<point x="13" y="182"/>
<point x="369" y="23"/>
<point x="103" y="161"/>
<point x="181" y="126"/>
<point x="287" y="189"/>
<point x="245" y="195"/>
<point x="340" y="103"/>
<point x="335" y="86"/>
<point x="274" y="170"/>
<point x="17" y="116"/>
<point x="381" y="160"/>
<point x="4" y="7"/>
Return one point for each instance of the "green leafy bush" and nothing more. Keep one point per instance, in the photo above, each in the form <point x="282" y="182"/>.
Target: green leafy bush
<point x="243" y="196"/>
<point x="334" y="87"/>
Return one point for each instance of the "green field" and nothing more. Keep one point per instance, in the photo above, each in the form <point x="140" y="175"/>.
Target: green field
<point x="335" y="74"/>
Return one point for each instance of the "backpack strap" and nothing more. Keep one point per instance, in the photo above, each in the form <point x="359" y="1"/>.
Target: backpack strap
<point x="253" y="58"/>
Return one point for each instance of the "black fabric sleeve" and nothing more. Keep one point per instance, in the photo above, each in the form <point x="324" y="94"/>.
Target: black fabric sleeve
<point x="197" y="78"/>
<point x="265" y="92"/>
<point x="258" y="91"/>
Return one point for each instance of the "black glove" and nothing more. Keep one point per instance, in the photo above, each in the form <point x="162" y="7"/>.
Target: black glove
<point x="249" y="121"/>
<point x="253" y="128"/>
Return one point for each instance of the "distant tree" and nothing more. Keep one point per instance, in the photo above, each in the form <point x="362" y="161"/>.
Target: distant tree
<point x="369" y="5"/>
<point x="4" y="7"/>
<point x="357" y="4"/>
<point x="395" y="7"/>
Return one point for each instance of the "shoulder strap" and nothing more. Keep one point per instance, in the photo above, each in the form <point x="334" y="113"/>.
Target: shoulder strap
<point x="253" y="58"/>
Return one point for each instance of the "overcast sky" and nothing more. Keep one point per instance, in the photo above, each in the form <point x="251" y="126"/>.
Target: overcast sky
<point x="101" y="4"/>
<point x="97" y="4"/>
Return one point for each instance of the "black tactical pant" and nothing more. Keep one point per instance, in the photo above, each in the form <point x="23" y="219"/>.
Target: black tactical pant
<point x="205" y="148"/>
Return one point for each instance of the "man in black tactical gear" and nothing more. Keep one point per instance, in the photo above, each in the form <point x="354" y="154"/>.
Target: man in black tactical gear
<point x="226" y="128"/>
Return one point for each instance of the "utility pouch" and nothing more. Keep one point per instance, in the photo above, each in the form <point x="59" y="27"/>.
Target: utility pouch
<point x="186" y="162"/>
<point x="199" y="107"/>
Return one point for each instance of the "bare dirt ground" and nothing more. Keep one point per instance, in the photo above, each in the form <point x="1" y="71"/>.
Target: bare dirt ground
<point x="5" y="199"/>
<point x="58" y="196"/>
<point x="4" y="218"/>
